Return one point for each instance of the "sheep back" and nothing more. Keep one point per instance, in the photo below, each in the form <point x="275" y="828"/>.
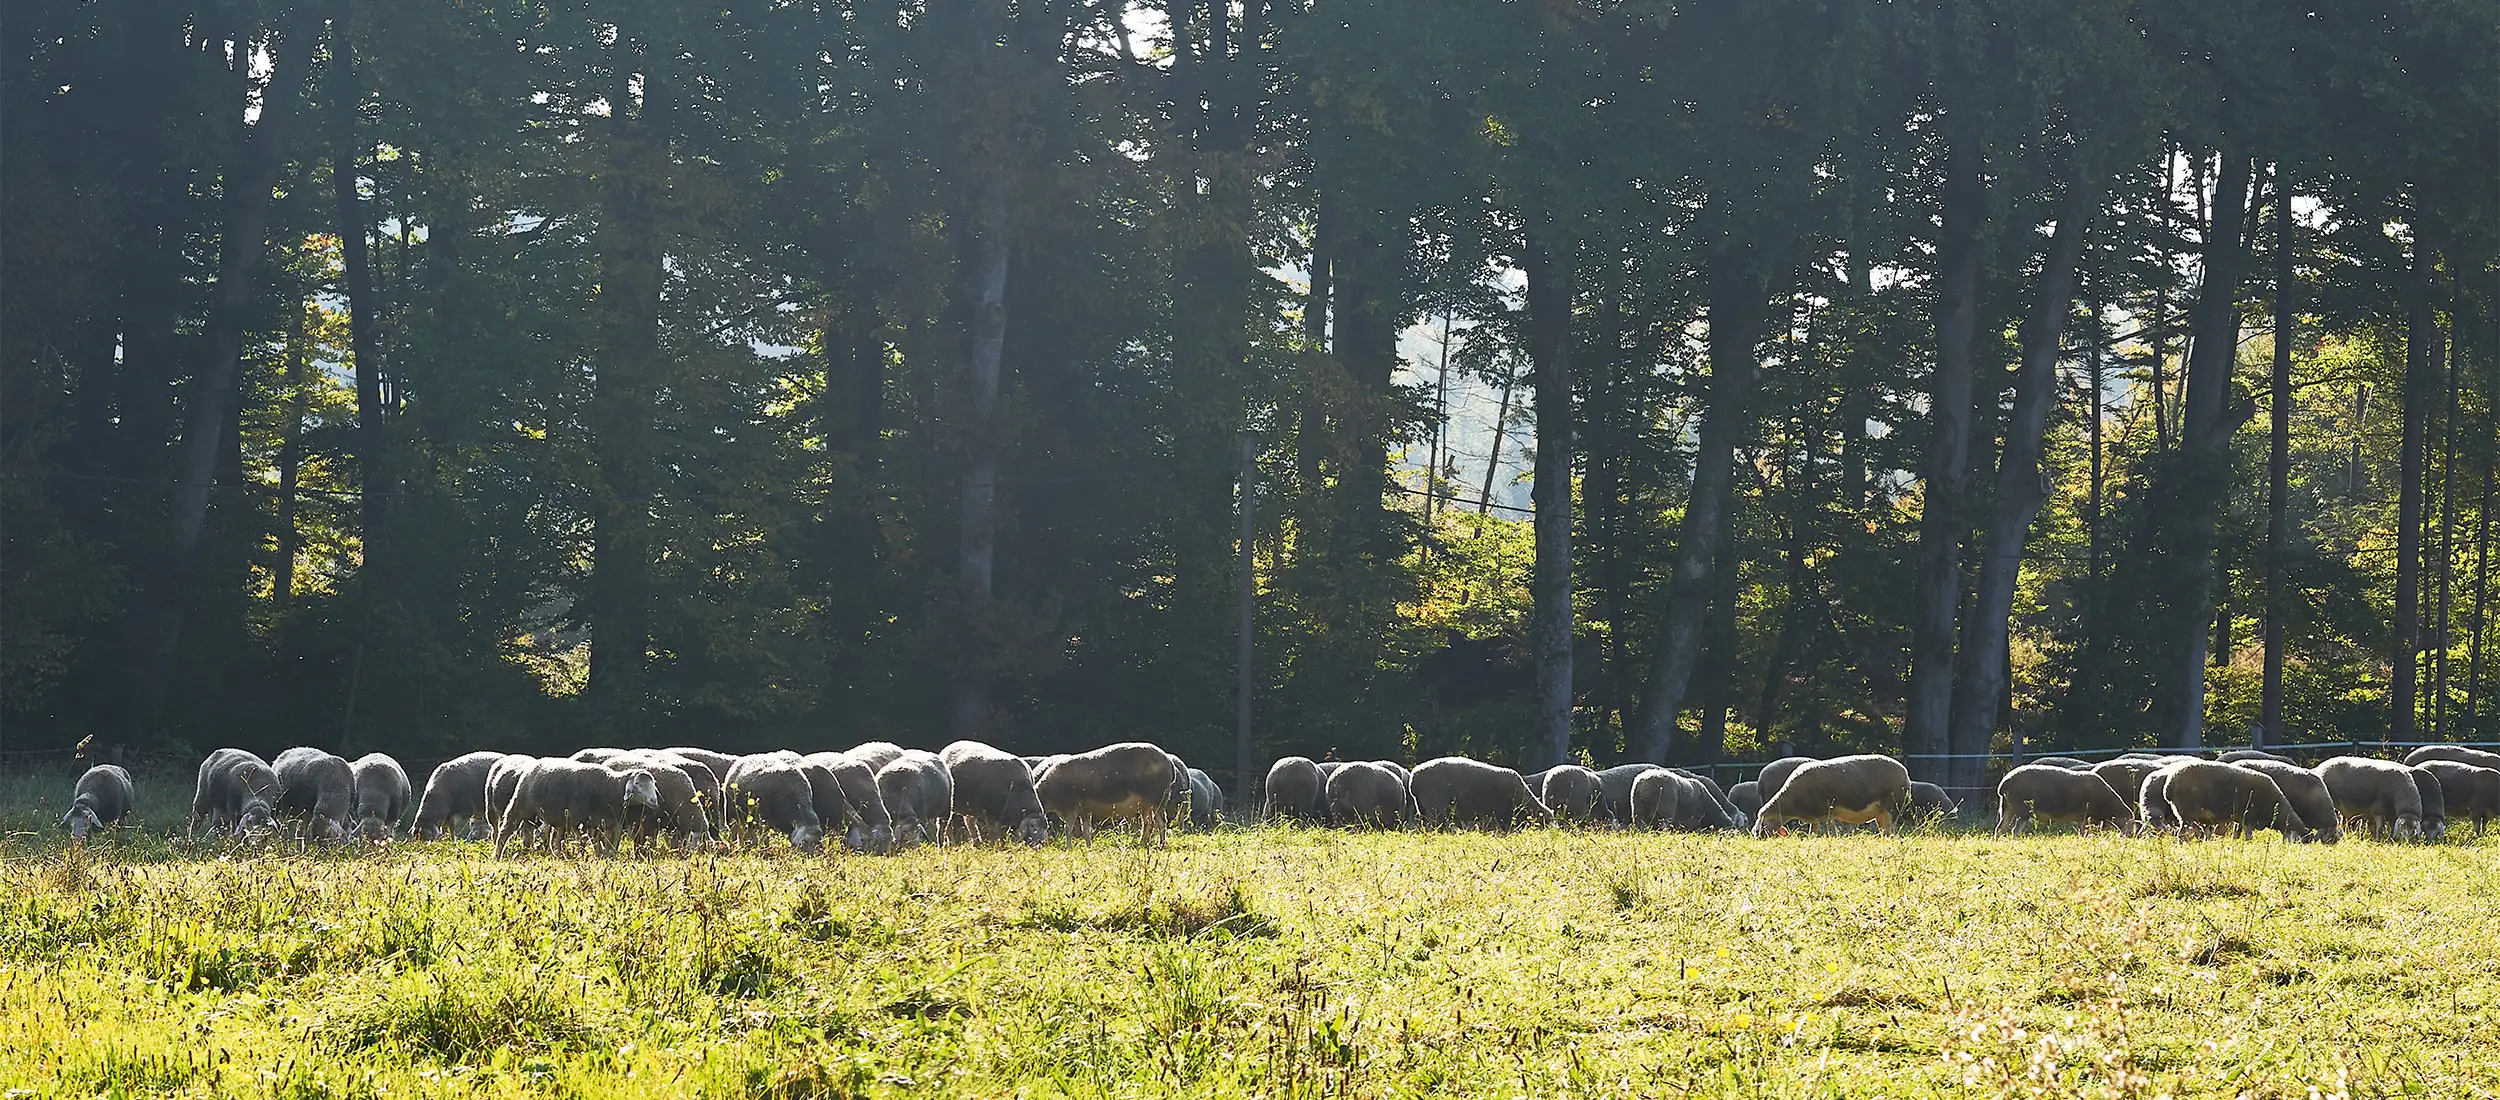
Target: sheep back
<point x="381" y="791"/>
<point x="1852" y="790"/>
<point x="455" y="789"/>
<point x="1457" y="791"/>
<point x="1114" y="782"/>
<point x="1295" y="791"/>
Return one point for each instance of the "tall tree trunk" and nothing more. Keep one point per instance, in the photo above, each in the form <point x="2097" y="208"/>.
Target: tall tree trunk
<point x="1549" y="271"/>
<point x="372" y="465"/>
<point x="1311" y="438"/>
<point x="2482" y="582"/>
<point x="1718" y="689"/>
<point x="2092" y="507"/>
<point x="976" y="554"/>
<point x="2206" y="421"/>
<point x="1365" y="273"/>
<point x="1937" y="583"/>
<point x="2278" y="462"/>
<point x="250" y="196"/>
<point x="2421" y="346"/>
<point x="2159" y="329"/>
<point x="622" y="403"/>
<point x="1737" y="315"/>
<point x="2022" y="485"/>
<point x="1501" y="427"/>
<point x="1856" y="381"/>
<point x="2448" y="468"/>
<point x="291" y="459"/>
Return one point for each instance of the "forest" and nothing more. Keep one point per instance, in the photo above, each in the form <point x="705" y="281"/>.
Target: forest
<point x="1939" y="377"/>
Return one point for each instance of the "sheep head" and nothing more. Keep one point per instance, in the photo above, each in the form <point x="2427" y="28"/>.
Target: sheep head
<point x="1033" y="831"/>
<point x="80" y="821"/>
<point x="642" y="789"/>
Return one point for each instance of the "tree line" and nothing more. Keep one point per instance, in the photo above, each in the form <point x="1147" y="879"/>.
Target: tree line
<point x="1917" y="377"/>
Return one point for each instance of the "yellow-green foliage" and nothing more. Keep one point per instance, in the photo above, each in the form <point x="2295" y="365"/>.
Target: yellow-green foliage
<point x="1263" y="963"/>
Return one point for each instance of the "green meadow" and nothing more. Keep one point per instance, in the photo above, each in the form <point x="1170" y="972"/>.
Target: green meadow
<point x="1261" y="962"/>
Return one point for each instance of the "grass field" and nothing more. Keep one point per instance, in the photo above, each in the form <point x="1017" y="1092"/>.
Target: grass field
<point x="1257" y="963"/>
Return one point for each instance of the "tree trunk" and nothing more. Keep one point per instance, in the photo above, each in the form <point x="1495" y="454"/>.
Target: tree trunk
<point x="291" y="460"/>
<point x="2421" y="344"/>
<point x="2092" y="506"/>
<point x="977" y="549"/>
<point x="1937" y="583"/>
<point x="2159" y="330"/>
<point x="372" y="466"/>
<point x="623" y="410"/>
<point x="1737" y="314"/>
<point x="1856" y="382"/>
<point x="2206" y="421"/>
<point x="1501" y="426"/>
<point x="2448" y="468"/>
<point x="2278" y="463"/>
<point x="1549" y="271"/>
<point x="1311" y="439"/>
<point x="2482" y="580"/>
<point x="1365" y="273"/>
<point x="2022" y="485"/>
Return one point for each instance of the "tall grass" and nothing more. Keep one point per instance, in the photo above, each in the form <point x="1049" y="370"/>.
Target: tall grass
<point x="1295" y="963"/>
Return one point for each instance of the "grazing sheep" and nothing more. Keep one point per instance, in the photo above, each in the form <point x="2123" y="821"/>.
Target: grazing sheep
<point x="867" y="827"/>
<point x="2127" y="778"/>
<point x="682" y="810"/>
<point x="918" y="795"/>
<point x="1405" y="777"/>
<point x="775" y="795"/>
<point x="1746" y="797"/>
<point x="1616" y="785"/>
<point x="2456" y="753"/>
<point x="1777" y="772"/>
<point x="2067" y="762"/>
<point x="2469" y="792"/>
<point x="1296" y="791"/>
<point x="1206" y="800"/>
<point x="503" y="780"/>
<point x="2307" y="794"/>
<point x="103" y="796"/>
<point x="1368" y="795"/>
<point x="381" y="795"/>
<point x="2434" y="806"/>
<point x="718" y="763"/>
<point x="565" y="795"/>
<point x="875" y="754"/>
<point x="994" y="794"/>
<point x="1456" y="791"/>
<point x="1574" y="794"/>
<point x="1670" y="798"/>
<point x="209" y="799"/>
<point x="1852" y="790"/>
<point x="2378" y="794"/>
<point x="2212" y="795"/>
<point x="2057" y="794"/>
<point x="455" y="792"/>
<point x="1709" y="786"/>
<point x="1125" y="781"/>
<point x="1929" y="803"/>
<point x="2152" y="801"/>
<point x="2243" y="756"/>
<point x="319" y="785"/>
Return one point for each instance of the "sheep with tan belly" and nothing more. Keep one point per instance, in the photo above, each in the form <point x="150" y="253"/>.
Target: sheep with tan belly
<point x="318" y="786"/>
<point x="1296" y="791"/>
<point x="562" y="796"/>
<point x="994" y="796"/>
<point x="1122" y="782"/>
<point x="771" y="795"/>
<point x="455" y="796"/>
<point x="2379" y="795"/>
<point x="1776" y="773"/>
<point x="1850" y="790"/>
<point x="1454" y="791"/>
<point x="1574" y="793"/>
<point x="381" y="796"/>
<point x="2470" y="793"/>
<point x="1368" y="795"/>
<point x="2048" y="792"/>
<point x="2308" y="795"/>
<point x="2209" y="795"/>
<point x="102" y="797"/>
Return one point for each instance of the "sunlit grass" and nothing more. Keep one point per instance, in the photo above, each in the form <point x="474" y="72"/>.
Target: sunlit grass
<point x="1261" y="963"/>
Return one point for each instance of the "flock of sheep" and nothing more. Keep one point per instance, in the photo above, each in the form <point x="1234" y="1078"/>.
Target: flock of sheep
<point x="880" y="797"/>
